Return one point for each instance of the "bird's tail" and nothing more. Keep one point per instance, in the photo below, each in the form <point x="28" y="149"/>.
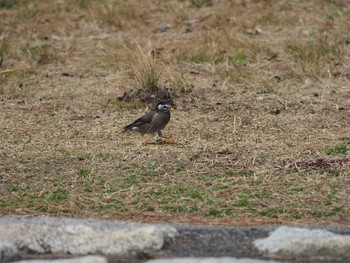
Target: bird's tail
<point x="125" y="129"/>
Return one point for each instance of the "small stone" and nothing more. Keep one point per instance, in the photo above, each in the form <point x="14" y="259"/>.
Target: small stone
<point x="87" y="259"/>
<point x="254" y="31"/>
<point x="164" y="28"/>
<point x="307" y="83"/>
<point x="8" y="251"/>
<point x="317" y="244"/>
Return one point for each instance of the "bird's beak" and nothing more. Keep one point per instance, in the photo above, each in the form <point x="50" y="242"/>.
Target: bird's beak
<point x="172" y="110"/>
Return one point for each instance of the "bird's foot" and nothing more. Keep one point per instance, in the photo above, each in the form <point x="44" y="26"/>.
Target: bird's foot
<point x="169" y="139"/>
<point x="144" y="141"/>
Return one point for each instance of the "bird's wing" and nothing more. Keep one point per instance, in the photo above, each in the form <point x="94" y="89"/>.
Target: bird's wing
<point x="147" y="118"/>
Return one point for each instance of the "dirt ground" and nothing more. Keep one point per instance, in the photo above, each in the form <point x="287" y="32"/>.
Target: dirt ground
<point x="262" y="126"/>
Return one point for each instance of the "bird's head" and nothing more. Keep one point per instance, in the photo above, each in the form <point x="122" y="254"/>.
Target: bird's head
<point x="163" y="106"/>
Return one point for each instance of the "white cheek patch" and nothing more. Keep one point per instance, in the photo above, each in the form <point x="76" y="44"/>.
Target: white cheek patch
<point x="160" y="106"/>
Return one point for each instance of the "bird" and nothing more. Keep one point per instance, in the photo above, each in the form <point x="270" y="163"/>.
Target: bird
<point x="153" y="122"/>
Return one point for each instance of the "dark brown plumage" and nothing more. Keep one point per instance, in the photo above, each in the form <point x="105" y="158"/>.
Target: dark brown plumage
<point x="153" y="121"/>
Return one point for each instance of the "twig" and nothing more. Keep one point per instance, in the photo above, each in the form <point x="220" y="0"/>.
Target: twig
<point x="10" y="71"/>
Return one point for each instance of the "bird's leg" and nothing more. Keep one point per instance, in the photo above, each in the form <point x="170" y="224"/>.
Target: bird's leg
<point x="160" y="134"/>
<point x="144" y="140"/>
<point x="167" y="138"/>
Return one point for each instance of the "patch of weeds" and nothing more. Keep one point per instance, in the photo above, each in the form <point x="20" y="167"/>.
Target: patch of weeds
<point x="150" y="170"/>
<point x="7" y="4"/>
<point x="273" y="212"/>
<point x="338" y="149"/>
<point x="246" y="173"/>
<point x="175" y="209"/>
<point x="3" y="50"/>
<point x="104" y="156"/>
<point x="264" y="194"/>
<point x="155" y="193"/>
<point x="146" y="207"/>
<point x="115" y="205"/>
<point x="242" y="202"/>
<point x="257" y="183"/>
<point x="201" y="59"/>
<point x="31" y="11"/>
<point x="294" y="190"/>
<point x="10" y="203"/>
<point x="327" y="202"/>
<point x="109" y="190"/>
<point x="221" y="187"/>
<point x="214" y="212"/>
<point x="317" y="213"/>
<point x="83" y="4"/>
<point x="229" y="212"/>
<point x="334" y="172"/>
<point x="332" y="212"/>
<point x="58" y="196"/>
<point x="239" y="58"/>
<point x="296" y="216"/>
<point x="131" y="180"/>
<point x="165" y="201"/>
<point x="14" y="188"/>
<point x="37" y="54"/>
<point x="217" y="176"/>
<point x="194" y="208"/>
<point x="88" y="189"/>
<point x="335" y="210"/>
<point x="194" y="193"/>
<point x="83" y="173"/>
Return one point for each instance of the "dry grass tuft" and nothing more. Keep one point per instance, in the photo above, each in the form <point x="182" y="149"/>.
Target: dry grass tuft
<point x="146" y="69"/>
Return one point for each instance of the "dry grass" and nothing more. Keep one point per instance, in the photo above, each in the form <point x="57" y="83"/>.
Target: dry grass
<point x="262" y="125"/>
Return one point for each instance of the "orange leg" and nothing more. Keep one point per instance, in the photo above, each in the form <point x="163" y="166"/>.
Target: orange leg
<point x="167" y="138"/>
<point x="144" y="141"/>
<point x="170" y="139"/>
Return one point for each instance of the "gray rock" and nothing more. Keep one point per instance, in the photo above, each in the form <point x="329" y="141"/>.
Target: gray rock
<point x="8" y="251"/>
<point x="74" y="236"/>
<point x="210" y="260"/>
<point x="87" y="259"/>
<point x="164" y="28"/>
<point x="305" y="243"/>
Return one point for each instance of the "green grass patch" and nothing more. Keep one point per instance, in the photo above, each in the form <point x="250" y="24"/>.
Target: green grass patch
<point x="83" y="173"/>
<point x="58" y="196"/>
<point x="338" y="149"/>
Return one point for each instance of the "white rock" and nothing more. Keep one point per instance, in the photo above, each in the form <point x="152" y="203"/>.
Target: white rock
<point x="87" y="259"/>
<point x="305" y="243"/>
<point x="74" y="236"/>
<point x="210" y="260"/>
<point x="8" y="251"/>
